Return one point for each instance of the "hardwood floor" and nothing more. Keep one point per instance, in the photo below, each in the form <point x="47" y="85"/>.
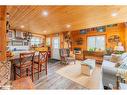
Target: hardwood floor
<point x="54" y="80"/>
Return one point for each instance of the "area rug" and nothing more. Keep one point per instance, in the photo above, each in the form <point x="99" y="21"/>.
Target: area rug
<point x="73" y="72"/>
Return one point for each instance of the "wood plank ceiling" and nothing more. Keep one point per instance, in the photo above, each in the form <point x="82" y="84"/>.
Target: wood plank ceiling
<point x="79" y="17"/>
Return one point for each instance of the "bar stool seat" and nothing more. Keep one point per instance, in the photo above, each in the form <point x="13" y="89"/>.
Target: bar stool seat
<point x="26" y="64"/>
<point x="23" y="83"/>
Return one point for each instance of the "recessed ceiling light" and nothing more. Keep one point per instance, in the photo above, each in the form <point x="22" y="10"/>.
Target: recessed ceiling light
<point x="22" y="26"/>
<point x="114" y="14"/>
<point x="44" y="31"/>
<point x="68" y="25"/>
<point x="45" y="13"/>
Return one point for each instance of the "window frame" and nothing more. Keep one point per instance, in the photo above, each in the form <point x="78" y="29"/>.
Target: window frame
<point x="95" y="40"/>
<point x="35" y="40"/>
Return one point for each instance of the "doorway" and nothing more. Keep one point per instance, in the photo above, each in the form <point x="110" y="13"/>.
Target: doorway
<point x="55" y="48"/>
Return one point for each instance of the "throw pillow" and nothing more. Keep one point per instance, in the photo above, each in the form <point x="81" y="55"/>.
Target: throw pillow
<point x="115" y="59"/>
<point x="117" y="64"/>
<point x="123" y="61"/>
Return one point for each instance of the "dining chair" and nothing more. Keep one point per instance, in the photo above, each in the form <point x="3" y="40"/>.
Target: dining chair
<point x="41" y="62"/>
<point x="25" y="67"/>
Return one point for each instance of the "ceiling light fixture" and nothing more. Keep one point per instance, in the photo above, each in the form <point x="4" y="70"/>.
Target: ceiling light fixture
<point x="22" y="26"/>
<point x="44" y="31"/>
<point x="45" y="13"/>
<point x="68" y="25"/>
<point x="114" y="14"/>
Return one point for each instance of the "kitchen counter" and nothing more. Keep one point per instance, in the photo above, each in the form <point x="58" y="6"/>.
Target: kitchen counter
<point x="17" y="55"/>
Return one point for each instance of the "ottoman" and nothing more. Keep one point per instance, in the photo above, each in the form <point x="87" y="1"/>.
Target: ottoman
<point x="88" y="66"/>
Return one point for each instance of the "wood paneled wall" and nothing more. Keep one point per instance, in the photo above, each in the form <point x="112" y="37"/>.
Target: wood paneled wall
<point x="116" y="30"/>
<point x="2" y="33"/>
<point x="126" y="38"/>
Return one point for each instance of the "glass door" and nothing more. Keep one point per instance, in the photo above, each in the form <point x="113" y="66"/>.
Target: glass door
<point x="55" y="47"/>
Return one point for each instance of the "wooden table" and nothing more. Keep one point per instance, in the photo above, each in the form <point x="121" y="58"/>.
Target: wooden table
<point x="17" y="57"/>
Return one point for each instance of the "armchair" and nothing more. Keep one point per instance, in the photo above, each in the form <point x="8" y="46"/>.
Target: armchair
<point x="66" y="56"/>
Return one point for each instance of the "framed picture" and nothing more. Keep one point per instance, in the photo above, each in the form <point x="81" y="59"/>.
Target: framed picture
<point x="101" y="29"/>
<point x="10" y="34"/>
<point x="83" y="31"/>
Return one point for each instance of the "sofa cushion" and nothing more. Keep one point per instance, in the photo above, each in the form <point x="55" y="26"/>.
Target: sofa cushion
<point x="124" y="55"/>
<point x="119" y="59"/>
<point x="109" y="67"/>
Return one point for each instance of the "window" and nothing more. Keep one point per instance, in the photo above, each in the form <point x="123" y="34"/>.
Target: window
<point x="36" y="41"/>
<point x="96" y="42"/>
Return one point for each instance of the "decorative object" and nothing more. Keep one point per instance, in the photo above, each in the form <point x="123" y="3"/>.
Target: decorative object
<point x="119" y="49"/>
<point x="83" y="31"/>
<point x="67" y="38"/>
<point x="92" y="49"/>
<point x="56" y="35"/>
<point x="101" y="29"/>
<point x="111" y="25"/>
<point x="109" y="51"/>
<point x="113" y="40"/>
<point x="79" y="41"/>
<point x="27" y="35"/>
<point x="7" y="22"/>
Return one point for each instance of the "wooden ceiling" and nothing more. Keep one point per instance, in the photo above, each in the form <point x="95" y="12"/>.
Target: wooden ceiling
<point x="79" y="17"/>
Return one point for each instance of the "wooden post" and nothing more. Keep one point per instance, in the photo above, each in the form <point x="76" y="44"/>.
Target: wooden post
<point x="3" y="33"/>
<point x="126" y="38"/>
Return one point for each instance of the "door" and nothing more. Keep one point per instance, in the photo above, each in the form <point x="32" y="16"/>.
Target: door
<point x="55" y="47"/>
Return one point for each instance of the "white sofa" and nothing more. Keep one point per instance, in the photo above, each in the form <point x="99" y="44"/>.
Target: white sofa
<point x="109" y="70"/>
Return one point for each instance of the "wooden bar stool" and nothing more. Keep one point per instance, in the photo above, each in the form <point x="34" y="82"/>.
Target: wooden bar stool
<point x="23" y="83"/>
<point x="25" y="65"/>
<point x="41" y="62"/>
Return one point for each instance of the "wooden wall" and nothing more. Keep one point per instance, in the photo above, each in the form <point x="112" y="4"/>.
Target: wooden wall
<point x="2" y="33"/>
<point x="120" y="30"/>
<point x="126" y="38"/>
<point x="116" y="30"/>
